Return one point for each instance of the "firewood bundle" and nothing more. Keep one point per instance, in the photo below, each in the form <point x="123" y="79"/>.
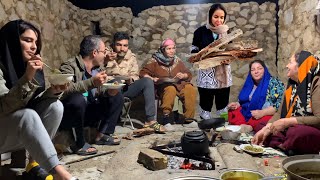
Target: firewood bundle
<point x="219" y="52"/>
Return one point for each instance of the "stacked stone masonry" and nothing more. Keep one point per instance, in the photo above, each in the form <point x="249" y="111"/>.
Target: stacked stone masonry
<point x="64" y="25"/>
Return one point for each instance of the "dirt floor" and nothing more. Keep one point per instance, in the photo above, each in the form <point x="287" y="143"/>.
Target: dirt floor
<point x="122" y="163"/>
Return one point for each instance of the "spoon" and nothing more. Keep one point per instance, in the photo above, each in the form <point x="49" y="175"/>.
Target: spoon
<point x="51" y="69"/>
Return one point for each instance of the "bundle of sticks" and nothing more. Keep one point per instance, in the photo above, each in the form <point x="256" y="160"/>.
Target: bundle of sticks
<point x="214" y="55"/>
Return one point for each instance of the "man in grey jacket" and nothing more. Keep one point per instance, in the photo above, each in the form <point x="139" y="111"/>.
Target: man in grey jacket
<point x="83" y="103"/>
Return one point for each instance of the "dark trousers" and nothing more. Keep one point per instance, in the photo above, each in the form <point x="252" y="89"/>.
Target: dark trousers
<point x="145" y="87"/>
<point x="79" y="113"/>
<point x="221" y="97"/>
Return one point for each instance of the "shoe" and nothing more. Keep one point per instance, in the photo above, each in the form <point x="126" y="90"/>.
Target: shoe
<point x="107" y="140"/>
<point x="158" y="128"/>
<point x="35" y="172"/>
<point x="166" y="119"/>
<point x="169" y="127"/>
<point x="83" y="151"/>
<point x="204" y="114"/>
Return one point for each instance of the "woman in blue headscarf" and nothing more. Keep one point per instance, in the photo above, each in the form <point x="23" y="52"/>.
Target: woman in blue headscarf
<point x="259" y="98"/>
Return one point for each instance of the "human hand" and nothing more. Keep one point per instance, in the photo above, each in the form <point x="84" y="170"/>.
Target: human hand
<point x="100" y="78"/>
<point x="257" y="114"/>
<point x="111" y="56"/>
<point x="233" y="105"/>
<point x="278" y="126"/>
<point x="181" y="75"/>
<point x="33" y="64"/>
<point x="261" y="135"/>
<point x="155" y="79"/>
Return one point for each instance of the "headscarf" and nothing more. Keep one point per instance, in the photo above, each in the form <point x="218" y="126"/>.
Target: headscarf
<point x="11" y="60"/>
<point x="297" y="96"/>
<point x="259" y="96"/>
<point x="218" y="31"/>
<point x="160" y="57"/>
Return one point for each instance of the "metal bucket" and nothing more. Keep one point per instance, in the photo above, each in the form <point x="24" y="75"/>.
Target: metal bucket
<point x="241" y="174"/>
<point x="302" y="167"/>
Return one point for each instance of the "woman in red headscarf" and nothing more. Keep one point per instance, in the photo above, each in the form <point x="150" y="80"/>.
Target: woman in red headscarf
<point x="165" y="64"/>
<point x="296" y="128"/>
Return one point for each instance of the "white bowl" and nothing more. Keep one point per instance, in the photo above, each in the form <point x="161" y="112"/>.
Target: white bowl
<point x="60" y="79"/>
<point x="106" y="86"/>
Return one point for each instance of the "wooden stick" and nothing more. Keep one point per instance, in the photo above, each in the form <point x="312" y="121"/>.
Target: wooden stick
<point x="89" y="157"/>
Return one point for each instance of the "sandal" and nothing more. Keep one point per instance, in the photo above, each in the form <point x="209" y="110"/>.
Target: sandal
<point x="156" y="127"/>
<point x="84" y="150"/>
<point x="107" y="140"/>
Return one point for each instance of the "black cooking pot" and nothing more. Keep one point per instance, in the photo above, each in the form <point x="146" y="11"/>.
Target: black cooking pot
<point x="211" y="123"/>
<point x="195" y="143"/>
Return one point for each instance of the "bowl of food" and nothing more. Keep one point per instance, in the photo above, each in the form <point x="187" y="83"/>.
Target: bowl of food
<point x="113" y="85"/>
<point x="241" y="174"/>
<point x="60" y="79"/>
<point x="252" y="149"/>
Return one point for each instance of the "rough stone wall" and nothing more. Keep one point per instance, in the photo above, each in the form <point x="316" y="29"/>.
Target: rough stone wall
<point x="297" y="30"/>
<point x="64" y="25"/>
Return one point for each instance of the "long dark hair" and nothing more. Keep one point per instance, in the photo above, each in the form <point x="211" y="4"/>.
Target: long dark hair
<point x="215" y="7"/>
<point x="23" y="26"/>
<point x="12" y="63"/>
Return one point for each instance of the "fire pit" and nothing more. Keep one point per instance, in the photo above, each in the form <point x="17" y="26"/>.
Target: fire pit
<point x="179" y="160"/>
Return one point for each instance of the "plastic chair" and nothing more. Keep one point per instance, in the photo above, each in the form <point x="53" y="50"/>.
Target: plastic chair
<point x="126" y="110"/>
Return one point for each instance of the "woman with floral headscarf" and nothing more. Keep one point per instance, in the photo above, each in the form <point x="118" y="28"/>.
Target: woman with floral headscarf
<point x="213" y="83"/>
<point x="296" y="128"/>
<point x="29" y="114"/>
<point x="165" y="64"/>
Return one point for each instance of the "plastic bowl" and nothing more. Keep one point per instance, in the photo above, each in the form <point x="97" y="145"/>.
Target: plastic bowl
<point x="60" y="79"/>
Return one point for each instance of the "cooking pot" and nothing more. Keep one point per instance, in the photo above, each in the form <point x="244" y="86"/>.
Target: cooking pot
<point x="195" y="143"/>
<point x="211" y="123"/>
<point x="241" y="174"/>
<point x="302" y="167"/>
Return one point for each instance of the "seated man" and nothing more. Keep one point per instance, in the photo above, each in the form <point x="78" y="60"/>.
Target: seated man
<point x="165" y="64"/>
<point x="83" y="103"/>
<point x="121" y="61"/>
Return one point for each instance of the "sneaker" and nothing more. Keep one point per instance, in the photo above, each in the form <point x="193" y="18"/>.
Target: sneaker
<point x="169" y="127"/>
<point x="204" y="114"/>
<point x="221" y="111"/>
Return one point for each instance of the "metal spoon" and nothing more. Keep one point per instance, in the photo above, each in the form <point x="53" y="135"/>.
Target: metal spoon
<point x="51" y="69"/>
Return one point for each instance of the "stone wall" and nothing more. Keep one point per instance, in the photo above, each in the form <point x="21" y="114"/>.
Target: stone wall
<point x="297" y="30"/>
<point x="64" y="25"/>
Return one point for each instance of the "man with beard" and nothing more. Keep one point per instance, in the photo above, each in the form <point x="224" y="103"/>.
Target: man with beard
<point x="120" y="61"/>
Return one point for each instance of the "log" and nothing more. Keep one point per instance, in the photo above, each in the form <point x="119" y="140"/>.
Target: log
<point x="235" y="53"/>
<point x="212" y="62"/>
<point x="216" y="45"/>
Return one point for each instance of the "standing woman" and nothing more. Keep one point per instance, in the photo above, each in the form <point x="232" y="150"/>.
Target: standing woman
<point x="213" y="83"/>
<point x="29" y="114"/>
